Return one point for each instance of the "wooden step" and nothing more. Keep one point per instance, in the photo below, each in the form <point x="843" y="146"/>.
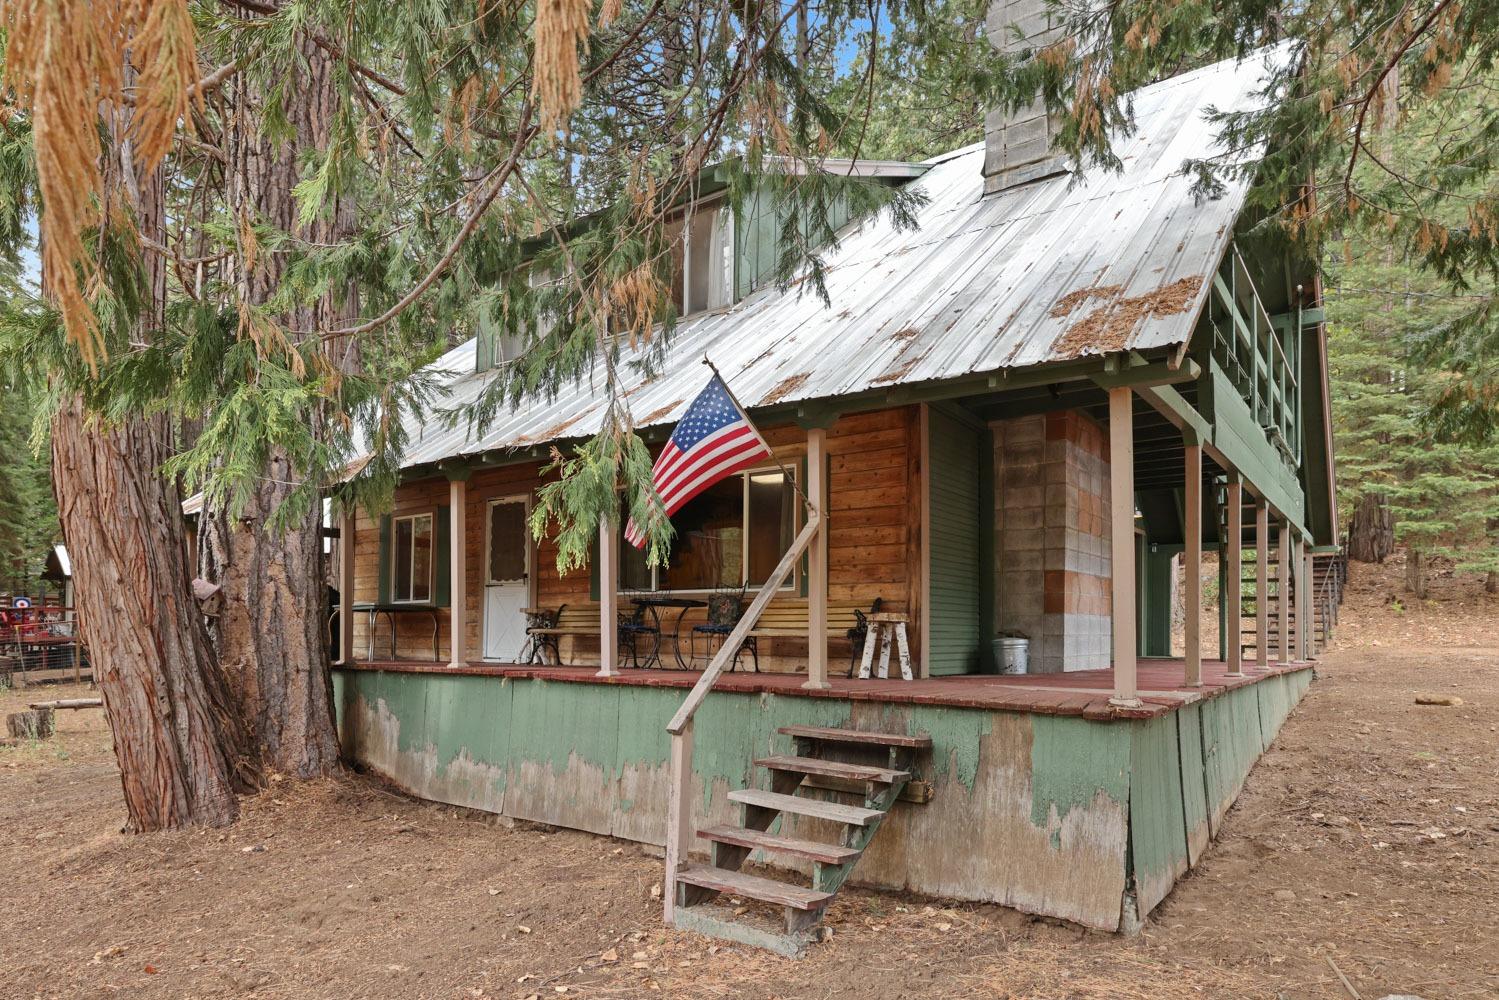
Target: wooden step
<point x="828" y="854"/>
<point x="764" y="889"/>
<point x="833" y="769"/>
<point x="920" y="740"/>
<point x="816" y="808"/>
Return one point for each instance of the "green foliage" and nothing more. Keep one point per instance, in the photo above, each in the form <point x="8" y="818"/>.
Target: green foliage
<point x="27" y="511"/>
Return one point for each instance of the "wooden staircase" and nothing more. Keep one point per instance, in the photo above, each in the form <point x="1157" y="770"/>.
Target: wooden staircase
<point x="1329" y="578"/>
<point x="872" y="767"/>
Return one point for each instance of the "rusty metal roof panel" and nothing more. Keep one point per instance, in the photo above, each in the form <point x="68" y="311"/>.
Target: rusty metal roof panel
<point x="1057" y="269"/>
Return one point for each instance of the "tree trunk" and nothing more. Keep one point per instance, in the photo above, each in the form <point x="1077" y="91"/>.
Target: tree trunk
<point x="1491" y="582"/>
<point x="180" y="749"/>
<point x="1371" y="530"/>
<point x="179" y="744"/>
<point x="272" y="632"/>
<point x="1415" y="573"/>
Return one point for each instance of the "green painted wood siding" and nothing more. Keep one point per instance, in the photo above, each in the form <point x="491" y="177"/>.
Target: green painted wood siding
<point x="757" y="238"/>
<point x="953" y="543"/>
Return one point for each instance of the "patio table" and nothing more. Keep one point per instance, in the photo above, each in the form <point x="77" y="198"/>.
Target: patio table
<point x="684" y="605"/>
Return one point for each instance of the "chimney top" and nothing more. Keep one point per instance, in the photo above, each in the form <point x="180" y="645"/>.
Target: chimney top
<point x="1019" y="144"/>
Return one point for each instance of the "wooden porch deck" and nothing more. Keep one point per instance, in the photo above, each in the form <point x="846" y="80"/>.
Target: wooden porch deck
<point x="1082" y="693"/>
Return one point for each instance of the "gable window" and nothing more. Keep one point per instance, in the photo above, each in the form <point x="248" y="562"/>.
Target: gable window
<point x="730" y="535"/>
<point x="411" y="559"/>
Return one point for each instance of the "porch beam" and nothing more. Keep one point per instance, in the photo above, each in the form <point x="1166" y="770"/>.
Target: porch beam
<point x="608" y="598"/>
<point x="346" y="587"/>
<point x="457" y="570"/>
<point x="1262" y="584"/>
<point x="1233" y="602"/>
<point x="1149" y="373"/>
<point x="817" y="563"/>
<point x="1192" y="557"/>
<point x="1122" y="544"/>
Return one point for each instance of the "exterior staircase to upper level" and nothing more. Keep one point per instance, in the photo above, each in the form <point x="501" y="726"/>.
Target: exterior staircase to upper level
<point x="872" y="768"/>
<point x="1329" y="579"/>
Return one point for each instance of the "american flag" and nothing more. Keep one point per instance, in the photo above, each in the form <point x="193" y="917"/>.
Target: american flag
<point x="714" y="439"/>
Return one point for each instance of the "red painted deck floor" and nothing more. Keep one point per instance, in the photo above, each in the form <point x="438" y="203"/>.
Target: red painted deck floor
<point x="1080" y="692"/>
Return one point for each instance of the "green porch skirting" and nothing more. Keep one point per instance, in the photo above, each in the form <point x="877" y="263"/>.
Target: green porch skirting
<point x="1054" y="815"/>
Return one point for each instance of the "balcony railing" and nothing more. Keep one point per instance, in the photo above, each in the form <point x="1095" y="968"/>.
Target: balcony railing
<point x="1249" y="349"/>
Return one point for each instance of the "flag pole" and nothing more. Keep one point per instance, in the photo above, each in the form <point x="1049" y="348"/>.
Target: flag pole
<point x="811" y="507"/>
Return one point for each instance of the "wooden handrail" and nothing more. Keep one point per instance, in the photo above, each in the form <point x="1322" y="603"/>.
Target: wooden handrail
<point x="730" y="648"/>
<point x="678" y="805"/>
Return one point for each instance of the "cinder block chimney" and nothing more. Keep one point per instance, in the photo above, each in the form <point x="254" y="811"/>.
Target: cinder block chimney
<point x="1020" y="144"/>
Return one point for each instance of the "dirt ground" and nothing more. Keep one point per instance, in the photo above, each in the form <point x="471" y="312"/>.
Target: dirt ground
<point x="1366" y="846"/>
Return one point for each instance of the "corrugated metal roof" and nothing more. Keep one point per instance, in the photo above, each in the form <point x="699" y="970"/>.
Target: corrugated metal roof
<point x="1057" y="269"/>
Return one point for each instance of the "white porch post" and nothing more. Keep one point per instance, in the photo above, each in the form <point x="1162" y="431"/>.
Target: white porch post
<point x="817" y="563"/>
<point x="457" y="571"/>
<point x="608" y="599"/>
<point x="1283" y="599"/>
<point x="1192" y="557"/>
<point x="1122" y="544"/>
<point x="1233" y="576"/>
<point x="346" y="587"/>
<point x="1262" y="584"/>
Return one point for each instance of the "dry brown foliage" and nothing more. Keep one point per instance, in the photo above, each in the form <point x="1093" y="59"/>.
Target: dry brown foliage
<point x="65" y="60"/>
<point x="561" y="31"/>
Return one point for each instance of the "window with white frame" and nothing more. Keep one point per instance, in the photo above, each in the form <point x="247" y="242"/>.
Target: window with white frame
<point x="730" y="535"/>
<point x="412" y="540"/>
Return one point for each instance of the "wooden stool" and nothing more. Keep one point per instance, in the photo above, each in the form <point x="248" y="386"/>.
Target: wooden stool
<point x="882" y="625"/>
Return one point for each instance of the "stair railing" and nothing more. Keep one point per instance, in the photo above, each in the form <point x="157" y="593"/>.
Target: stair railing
<point x="679" y="796"/>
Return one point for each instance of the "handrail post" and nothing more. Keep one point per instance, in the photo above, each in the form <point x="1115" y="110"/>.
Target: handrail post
<point x="678" y="815"/>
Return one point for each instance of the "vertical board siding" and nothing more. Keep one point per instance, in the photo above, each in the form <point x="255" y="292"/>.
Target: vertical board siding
<point x="1157" y="825"/>
<point x="1050" y="814"/>
<point x="955" y="560"/>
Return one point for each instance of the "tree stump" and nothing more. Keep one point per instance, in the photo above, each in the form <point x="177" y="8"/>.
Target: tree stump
<point x="33" y="725"/>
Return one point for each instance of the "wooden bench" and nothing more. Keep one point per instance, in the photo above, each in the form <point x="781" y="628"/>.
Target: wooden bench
<point x="788" y="619"/>
<point x="571" y="620"/>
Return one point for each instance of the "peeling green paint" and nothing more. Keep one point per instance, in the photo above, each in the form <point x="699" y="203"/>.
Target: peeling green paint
<point x="956" y="738"/>
<point x="594" y="757"/>
<point x="1072" y="761"/>
<point x="1157" y="826"/>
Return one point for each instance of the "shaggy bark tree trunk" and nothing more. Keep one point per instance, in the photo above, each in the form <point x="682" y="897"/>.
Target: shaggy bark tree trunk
<point x="179" y="745"/>
<point x="272" y="632"/>
<point x="175" y="732"/>
<point x="1371" y="530"/>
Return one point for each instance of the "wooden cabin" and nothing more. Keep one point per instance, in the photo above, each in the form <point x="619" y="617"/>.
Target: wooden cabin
<point x="1027" y="418"/>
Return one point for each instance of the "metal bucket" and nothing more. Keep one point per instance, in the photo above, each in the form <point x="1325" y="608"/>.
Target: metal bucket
<point x="1012" y="655"/>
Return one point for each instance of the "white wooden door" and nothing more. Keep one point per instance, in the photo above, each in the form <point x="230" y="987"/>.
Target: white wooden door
<point x="507" y="579"/>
